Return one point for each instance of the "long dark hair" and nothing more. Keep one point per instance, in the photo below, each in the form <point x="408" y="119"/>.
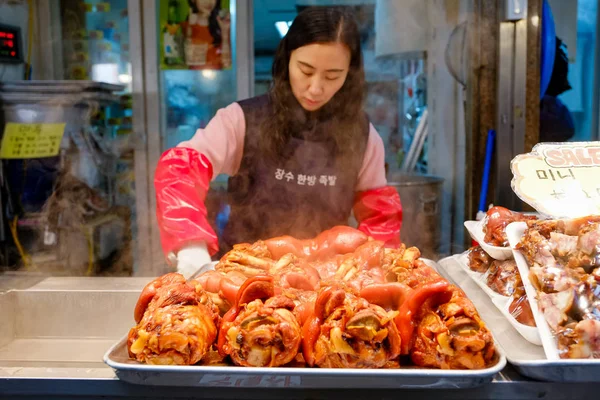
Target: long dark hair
<point x="213" y="24"/>
<point x="344" y="111"/>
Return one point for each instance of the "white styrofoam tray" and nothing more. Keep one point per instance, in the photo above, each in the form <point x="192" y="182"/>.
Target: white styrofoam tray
<point x="502" y="302"/>
<point x="515" y="232"/>
<point x="475" y="229"/>
<point x="526" y="357"/>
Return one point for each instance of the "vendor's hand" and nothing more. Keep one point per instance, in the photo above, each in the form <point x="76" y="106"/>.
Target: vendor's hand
<point x="190" y="259"/>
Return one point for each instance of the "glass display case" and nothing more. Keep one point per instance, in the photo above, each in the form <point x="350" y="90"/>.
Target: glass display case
<point x="198" y="73"/>
<point x="72" y="211"/>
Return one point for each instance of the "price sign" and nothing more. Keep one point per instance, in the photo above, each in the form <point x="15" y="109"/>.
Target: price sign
<point x="560" y="180"/>
<point x="31" y="140"/>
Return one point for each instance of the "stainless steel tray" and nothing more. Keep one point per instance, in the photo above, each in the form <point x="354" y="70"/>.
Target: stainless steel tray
<point x="527" y="358"/>
<point x="408" y="378"/>
<point x="217" y="376"/>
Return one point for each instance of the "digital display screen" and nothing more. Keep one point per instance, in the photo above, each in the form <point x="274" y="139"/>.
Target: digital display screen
<point x="10" y="44"/>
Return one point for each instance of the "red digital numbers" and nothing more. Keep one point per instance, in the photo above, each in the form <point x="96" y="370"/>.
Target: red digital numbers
<point x="8" y="45"/>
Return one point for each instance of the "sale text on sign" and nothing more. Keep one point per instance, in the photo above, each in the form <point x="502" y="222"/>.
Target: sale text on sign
<point x="559" y="179"/>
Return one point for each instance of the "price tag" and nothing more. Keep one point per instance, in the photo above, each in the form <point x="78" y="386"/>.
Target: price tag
<point x="31" y="140"/>
<point x="560" y="180"/>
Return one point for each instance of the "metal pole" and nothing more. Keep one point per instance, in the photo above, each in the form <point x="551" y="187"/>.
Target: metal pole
<point x="243" y="46"/>
<point x="595" y="128"/>
<point x="154" y="112"/>
<point x="512" y="78"/>
<point x="519" y="87"/>
<point x="142" y="256"/>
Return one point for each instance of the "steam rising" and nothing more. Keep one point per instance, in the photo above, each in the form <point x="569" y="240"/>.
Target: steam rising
<point x="261" y="203"/>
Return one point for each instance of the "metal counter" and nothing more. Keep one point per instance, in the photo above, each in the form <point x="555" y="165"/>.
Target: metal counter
<point x="53" y="336"/>
<point x="98" y="382"/>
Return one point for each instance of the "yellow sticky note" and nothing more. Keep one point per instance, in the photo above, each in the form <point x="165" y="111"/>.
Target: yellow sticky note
<point x="31" y="140"/>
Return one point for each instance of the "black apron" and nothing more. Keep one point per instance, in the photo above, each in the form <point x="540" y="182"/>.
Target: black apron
<point x="301" y="193"/>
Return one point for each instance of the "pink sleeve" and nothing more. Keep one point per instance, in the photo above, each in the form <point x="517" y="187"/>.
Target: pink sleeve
<point x="222" y="141"/>
<point x="372" y="172"/>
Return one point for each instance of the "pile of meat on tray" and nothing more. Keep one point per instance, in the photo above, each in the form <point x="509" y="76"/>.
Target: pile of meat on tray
<point x="502" y="276"/>
<point x="564" y="261"/>
<point x="495" y="222"/>
<point x="340" y="300"/>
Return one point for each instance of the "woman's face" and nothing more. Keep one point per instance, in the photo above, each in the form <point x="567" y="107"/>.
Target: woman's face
<point x="317" y="72"/>
<point x="205" y="6"/>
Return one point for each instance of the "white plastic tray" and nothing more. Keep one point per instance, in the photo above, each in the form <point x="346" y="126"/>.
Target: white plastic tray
<point x="475" y="229"/>
<point x="501" y="302"/>
<point x="526" y="357"/>
<point x="515" y="232"/>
